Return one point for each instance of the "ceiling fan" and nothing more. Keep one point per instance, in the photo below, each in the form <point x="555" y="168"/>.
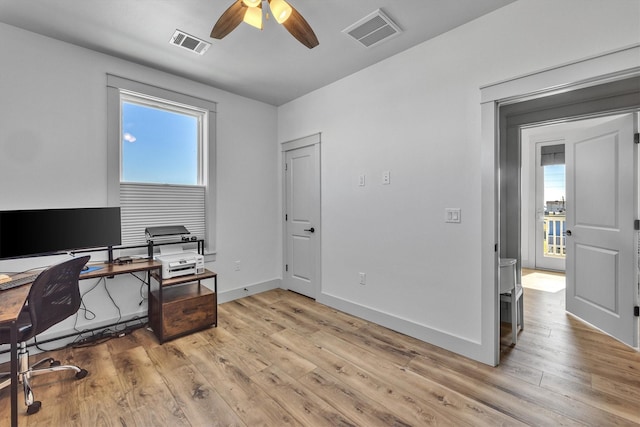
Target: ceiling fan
<point x="250" y="11"/>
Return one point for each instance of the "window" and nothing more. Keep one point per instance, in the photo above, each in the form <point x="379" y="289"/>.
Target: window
<point x="161" y="159"/>
<point x="160" y="142"/>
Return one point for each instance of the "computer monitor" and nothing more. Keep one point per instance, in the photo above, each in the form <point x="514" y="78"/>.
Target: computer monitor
<point x="25" y="233"/>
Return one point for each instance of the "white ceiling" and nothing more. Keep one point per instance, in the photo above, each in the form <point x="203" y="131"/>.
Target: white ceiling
<point x="268" y="65"/>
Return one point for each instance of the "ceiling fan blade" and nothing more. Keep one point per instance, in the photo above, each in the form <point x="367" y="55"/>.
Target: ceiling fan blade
<point x="229" y="20"/>
<point x="300" y="29"/>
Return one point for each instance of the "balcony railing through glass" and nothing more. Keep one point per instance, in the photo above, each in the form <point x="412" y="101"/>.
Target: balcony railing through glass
<point x="555" y="236"/>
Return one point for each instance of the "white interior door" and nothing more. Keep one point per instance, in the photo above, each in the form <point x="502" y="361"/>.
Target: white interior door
<point x="302" y="220"/>
<point x="600" y="273"/>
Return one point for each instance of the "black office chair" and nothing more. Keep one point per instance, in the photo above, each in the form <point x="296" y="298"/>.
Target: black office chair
<point x="53" y="297"/>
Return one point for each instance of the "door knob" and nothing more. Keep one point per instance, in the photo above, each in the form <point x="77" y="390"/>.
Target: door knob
<point x="568" y="232"/>
<point x="311" y="230"/>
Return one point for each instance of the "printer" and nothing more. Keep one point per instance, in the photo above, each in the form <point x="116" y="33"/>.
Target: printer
<point x="181" y="264"/>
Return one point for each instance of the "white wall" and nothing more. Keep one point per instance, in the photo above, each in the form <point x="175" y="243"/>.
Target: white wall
<point x="418" y="115"/>
<point x="53" y="153"/>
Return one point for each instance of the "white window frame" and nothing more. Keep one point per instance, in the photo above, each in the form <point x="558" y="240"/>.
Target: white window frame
<point x="145" y="210"/>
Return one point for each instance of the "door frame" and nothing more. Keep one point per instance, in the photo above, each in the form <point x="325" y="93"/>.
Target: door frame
<point x="531" y="93"/>
<point x="306" y="141"/>
<point x="538" y="173"/>
<point x="532" y="138"/>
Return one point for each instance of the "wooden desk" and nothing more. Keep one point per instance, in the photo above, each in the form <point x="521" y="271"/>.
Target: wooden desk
<point x="12" y="301"/>
<point x="109" y="270"/>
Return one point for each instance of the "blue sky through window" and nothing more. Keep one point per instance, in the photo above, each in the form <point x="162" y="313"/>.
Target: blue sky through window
<point x="554" y="183"/>
<point x="158" y="146"/>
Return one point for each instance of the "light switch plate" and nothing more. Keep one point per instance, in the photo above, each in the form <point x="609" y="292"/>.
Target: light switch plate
<point x="452" y="215"/>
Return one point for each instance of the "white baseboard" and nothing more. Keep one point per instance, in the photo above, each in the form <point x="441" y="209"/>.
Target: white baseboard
<point x="442" y="339"/>
<point x="436" y="337"/>
<point x="244" y="291"/>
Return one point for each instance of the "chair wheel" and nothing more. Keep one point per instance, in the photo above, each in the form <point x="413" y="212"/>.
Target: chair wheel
<point x="83" y="373"/>
<point x="34" y="407"/>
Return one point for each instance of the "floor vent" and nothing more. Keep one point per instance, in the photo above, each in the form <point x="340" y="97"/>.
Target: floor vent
<point x="373" y="29"/>
<point x="188" y="42"/>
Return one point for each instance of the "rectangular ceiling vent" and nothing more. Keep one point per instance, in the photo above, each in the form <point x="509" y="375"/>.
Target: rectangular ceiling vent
<point x="188" y="42"/>
<point x="373" y="29"/>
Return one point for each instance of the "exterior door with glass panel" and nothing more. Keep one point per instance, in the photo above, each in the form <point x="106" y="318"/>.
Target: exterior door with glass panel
<point x="550" y="205"/>
<point x="302" y="220"/>
<point x="601" y="207"/>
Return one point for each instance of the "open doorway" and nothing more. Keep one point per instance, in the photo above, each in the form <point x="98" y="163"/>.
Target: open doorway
<point x="597" y="205"/>
<point x="544" y="201"/>
<point x="535" y="221"/>
<point x="550" y="206"/>
<point x="543" y="193"/>
<point x="543" y="212"/>
<point x="602" y="84"/>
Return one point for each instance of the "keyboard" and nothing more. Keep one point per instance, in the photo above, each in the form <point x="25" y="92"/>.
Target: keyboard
<point x="13" y="283"/>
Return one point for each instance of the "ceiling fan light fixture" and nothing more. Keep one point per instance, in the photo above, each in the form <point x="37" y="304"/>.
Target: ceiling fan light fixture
<point x="281" y="10"/>
<point x="253" y="17"/>
<point x="252" y="3"/>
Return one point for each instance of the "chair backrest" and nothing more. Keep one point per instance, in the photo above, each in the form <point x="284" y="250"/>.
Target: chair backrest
<point x="55" y="294"/>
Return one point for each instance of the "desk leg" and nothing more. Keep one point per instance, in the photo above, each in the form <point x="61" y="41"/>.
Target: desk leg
<point x="14" y="374"/>
<point x="215" y="289"/>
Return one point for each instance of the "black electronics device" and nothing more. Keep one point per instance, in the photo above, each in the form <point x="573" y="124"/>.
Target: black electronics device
<point x="165" y="230"/>
<point x="34" y="232"/>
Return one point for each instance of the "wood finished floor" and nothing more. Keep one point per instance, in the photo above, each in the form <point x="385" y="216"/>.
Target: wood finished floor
<point x="280" y="359"/>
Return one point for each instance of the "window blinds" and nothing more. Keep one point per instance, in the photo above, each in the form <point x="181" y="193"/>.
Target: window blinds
<point x="552" y="155"/>
<point x="153" y="205"/>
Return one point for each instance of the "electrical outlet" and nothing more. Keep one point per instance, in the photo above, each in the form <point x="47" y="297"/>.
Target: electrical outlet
<point x="237" y="266"/>
<point x="363" y="279"/>
<point x="386" y="177"/>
